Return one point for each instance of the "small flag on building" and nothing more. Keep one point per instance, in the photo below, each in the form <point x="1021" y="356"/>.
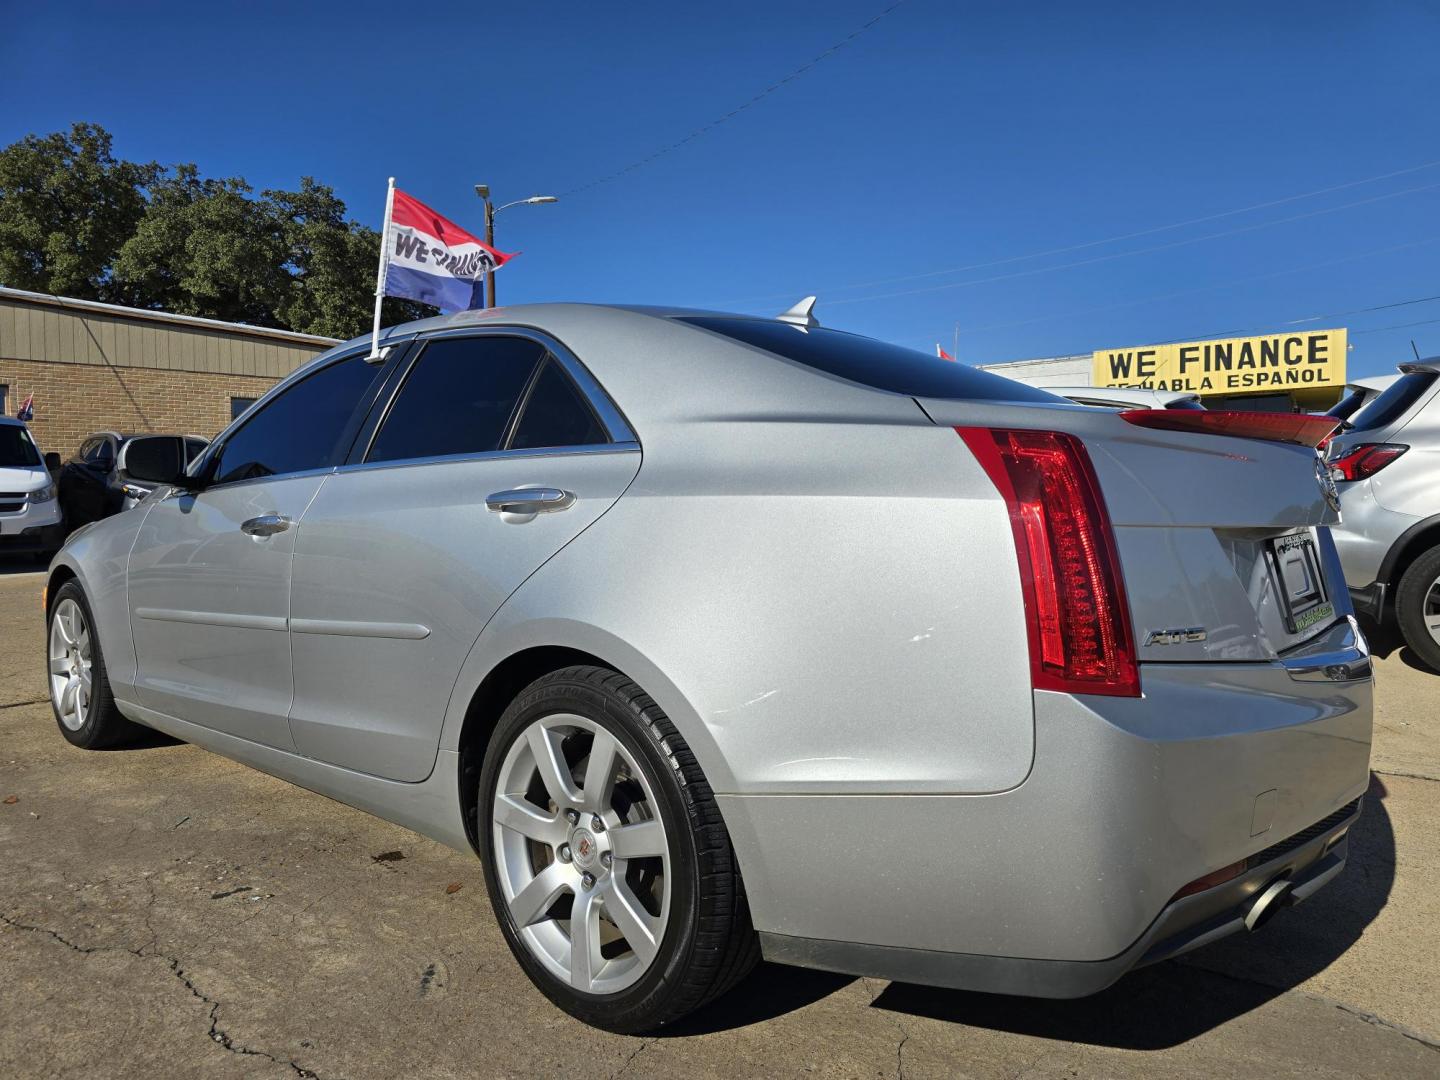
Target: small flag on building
<point x="427" y="257"/>
<point x="27" y="409"/>
<point x="941" y="353"/>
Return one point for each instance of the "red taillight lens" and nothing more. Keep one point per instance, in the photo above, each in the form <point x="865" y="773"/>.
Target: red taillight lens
<point x="1365" y="460"/>
<point x="1300" y="428"/>
<point x="1209" y="881"/>
<point x="1079" y="625"/>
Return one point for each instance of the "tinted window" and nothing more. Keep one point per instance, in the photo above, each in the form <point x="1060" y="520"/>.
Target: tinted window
<point x="457" y="399"/>
<point x="873" y="363"/>
<point x="1395" y="401"/>
<point x="194" y="448"/>
<point x="16" y="448"/>
<point x="1347" y="406"/>
<point x="100" y="453"/>
<point x="556" y="415"/>
<point x="299" y="429"/>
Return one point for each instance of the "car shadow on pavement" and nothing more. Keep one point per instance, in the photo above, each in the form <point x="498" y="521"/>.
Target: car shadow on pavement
<point x="1171" y="1003"/>
<point x="769" y="991"/>
<point x="1386" y="640"/>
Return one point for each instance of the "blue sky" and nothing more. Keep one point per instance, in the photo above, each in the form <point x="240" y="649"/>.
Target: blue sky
<point x="948" y="135"/>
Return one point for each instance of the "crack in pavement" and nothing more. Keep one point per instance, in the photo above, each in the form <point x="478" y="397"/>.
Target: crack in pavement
<point x="904" y="1034"/>
<point x="644" y="1045"/>
<point x="1407" y="775"/>
<point x="17" y="704"/>
<point x="216" y="1033"/>
<point x="1369" y="1017"/>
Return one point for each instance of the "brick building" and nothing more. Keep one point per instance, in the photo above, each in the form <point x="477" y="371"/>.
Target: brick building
<point x="101" y="367"/>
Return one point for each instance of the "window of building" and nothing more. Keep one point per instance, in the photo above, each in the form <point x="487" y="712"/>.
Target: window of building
<point x="458" y="398"/>
<point x="4" y="391"/>
<point x="238" y="405"/>
<point x="300" y="429"/>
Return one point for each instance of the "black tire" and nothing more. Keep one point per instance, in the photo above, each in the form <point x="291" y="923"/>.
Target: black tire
<point x="103" y="726"/>
<point x="709" y="943"/>
<point x="1410" y="613"/>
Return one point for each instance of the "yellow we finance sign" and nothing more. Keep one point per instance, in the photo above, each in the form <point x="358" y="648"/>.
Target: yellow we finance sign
<point x="1250" y="365"/>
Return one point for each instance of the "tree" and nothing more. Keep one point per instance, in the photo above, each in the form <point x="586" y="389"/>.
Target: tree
<point x="75" y="221"/>
<point x="205" y="247"/>
<point x="66" y="207"/>
<point x="332" y="264"/>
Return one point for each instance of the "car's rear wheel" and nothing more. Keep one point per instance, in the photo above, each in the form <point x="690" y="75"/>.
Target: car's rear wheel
<point x="79" y="687"/>
<point x="1417" y="607"/>
<point x="605" y="856"/>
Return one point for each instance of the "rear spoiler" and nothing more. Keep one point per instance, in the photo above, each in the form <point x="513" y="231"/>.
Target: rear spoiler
<point x="1301" y="429"/>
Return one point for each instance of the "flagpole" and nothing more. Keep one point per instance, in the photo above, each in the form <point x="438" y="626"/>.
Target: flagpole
<point x="380" y="274"/>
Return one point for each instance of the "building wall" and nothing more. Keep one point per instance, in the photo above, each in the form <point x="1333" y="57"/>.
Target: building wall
<point x="1057" y="371"/>
<point x="73" y="400"/>
<point x="56" y="330"/>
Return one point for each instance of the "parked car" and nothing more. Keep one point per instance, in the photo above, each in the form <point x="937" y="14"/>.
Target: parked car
<point x="1120" y="397"/>
<point x="29" y="512"/>
<point x="633" y="603"/>
<point x="1358" y="394"/>
<point x="94" y="483"/>
<point x="1386" y="466"/>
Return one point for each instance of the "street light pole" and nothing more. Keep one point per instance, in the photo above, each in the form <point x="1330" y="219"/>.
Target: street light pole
<point x="483" y="190"/>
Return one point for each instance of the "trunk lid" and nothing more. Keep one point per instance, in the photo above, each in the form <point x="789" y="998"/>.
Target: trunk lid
<point x="1223" y="542"/>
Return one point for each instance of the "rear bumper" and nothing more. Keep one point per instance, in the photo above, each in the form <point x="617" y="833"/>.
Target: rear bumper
<point x="1059" y="885"/>
<point x="1183" y="925"/>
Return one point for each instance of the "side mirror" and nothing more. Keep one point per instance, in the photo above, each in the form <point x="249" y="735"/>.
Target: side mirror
<point x="154" y="459"/>
<point x="52" y="462"/>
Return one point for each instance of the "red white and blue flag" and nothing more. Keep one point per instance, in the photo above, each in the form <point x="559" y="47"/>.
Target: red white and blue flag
<point x="27" y="409"/>
<point x="431" y="259"/>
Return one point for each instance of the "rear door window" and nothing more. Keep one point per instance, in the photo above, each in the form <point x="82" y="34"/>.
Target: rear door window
<point x="459" y="397"/>
<point x="1395" y="402"/>
<point x="556" y="415"/>
<point x="872" y="363"/>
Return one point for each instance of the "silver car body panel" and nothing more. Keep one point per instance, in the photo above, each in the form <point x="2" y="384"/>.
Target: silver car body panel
<point x="818" y="583"/>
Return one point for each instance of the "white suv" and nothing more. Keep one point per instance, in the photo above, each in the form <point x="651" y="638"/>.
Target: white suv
<point x="29" y="511"/>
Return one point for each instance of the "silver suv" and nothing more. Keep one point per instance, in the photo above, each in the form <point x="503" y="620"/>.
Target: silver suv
<point x="1386" y="465"/>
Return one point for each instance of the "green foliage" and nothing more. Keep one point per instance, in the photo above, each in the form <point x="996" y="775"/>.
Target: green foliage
<point x="76" y="222"/>
<point x="66" y="207"/>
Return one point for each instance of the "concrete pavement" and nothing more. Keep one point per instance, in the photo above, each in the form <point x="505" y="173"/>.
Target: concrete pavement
<point x="165" y="911"/>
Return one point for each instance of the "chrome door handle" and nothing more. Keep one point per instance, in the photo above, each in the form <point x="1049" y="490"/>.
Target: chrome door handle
<point x="540" y="500"/>
<point x="265" y="525"/>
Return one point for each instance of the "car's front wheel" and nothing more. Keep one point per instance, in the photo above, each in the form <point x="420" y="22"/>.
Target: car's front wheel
<point x="79" y="687"/>
<point x="1417" y="607"/>
<point x="606" y="859"/>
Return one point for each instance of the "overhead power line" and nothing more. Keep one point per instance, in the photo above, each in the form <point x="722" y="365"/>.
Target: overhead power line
<point x="1119" y="237"/>
<point x="1133" y="252"/>
<point x="761" y="96"/>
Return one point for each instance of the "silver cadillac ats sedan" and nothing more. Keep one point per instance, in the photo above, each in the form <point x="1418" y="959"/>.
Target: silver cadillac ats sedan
<point x="719" y="637"/>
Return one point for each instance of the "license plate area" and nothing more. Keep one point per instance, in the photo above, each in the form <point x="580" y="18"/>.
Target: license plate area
<point x="1299" y="584"/>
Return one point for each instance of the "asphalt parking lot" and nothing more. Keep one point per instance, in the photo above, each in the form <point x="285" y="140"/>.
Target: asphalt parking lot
<point x="164" y="911"/>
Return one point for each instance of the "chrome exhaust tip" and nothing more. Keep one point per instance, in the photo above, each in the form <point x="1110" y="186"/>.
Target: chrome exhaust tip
<point x="1271" y="899"/>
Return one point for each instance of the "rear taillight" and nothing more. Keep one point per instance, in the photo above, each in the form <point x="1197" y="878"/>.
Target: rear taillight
<point x="1365" y="460"/>
<point x="1077" y="619"/>
<point x="1300" y="428"/>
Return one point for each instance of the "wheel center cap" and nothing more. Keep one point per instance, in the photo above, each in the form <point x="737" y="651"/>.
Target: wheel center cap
<point x="584" y="849"/>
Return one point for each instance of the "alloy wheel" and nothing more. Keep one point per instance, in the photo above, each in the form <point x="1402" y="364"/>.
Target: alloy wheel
<point x="70" y="664"/>
<point x="581" y="853"/>
<point x="1430" y="610"/>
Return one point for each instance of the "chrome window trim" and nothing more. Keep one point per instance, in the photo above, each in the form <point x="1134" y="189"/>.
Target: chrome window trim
<point x="611" y="418"/>
<point x="493" y="455"/>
